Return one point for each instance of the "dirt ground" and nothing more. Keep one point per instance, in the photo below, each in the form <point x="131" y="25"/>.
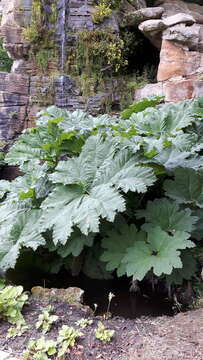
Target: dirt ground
<point x="162" y="338"/>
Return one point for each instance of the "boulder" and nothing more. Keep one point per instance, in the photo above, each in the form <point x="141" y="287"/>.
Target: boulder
<point x="149" y="90"/>
<point x="189" y="36"/>
<point x="136" y="17"/>
<point x="182" y="89"/>
<point x="152" y="26"/>
<point x="177" y="61"/>
<point x="179" y="19"/>
<point x="73" y="295"/>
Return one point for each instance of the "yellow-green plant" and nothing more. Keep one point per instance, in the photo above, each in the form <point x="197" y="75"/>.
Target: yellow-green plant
<point x="5" y="61"/>
<point x="18" y="330"/>
<point x="99" y="51"/>
<point x="103" y="334"/>
<point x="12" y="300"/>
<point x="67" y="338"/>
<point x="101" y="11"/>
<point x="84" y="322"/>
<point x="40" y="349"/>
<point x="45" y="320"/>
<point x="33" y="31"/>
<point x="41" y="39"/>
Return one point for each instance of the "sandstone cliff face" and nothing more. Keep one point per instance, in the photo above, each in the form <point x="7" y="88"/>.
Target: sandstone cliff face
<point x="173" y="26"/>
<point x="179" y="34"/>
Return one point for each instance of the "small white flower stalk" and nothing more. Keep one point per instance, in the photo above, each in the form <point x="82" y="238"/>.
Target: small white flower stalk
<point x="107" y="315"/>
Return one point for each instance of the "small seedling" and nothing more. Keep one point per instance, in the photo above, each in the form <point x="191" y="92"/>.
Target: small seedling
<point x="18" y="330"/>
<point x="45" y="320"/>
<point x="103" y="334"/>
<point x="12" y="299"/>
<point x="40" y="349"/>
<point x="84" y="322"/>
<point x="67" y="338"/>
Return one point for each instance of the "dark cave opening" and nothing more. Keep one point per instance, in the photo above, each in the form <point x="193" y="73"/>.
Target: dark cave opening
<point x="143" y="58"/>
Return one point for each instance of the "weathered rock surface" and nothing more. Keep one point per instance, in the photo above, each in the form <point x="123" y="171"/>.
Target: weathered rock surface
<point x="14" y="98"/>
<point x="179" y="18"/>
<point x="179" y="33"/>
<point x="173" y="26"/>
<point x="177" y="61"/>
<point x="26" y="90"/>
<point x="152" y="26"/>
<point x="136" y="17"/>
<point x="72" y="295"/>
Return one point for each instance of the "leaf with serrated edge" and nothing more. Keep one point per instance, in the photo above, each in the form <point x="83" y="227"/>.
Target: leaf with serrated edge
<point x="23" y="233"/>
<point x="115" y="244"/>
<point x="187" y="187"/>
<point x="168" y="215"/>
<point x="156" y="250"/>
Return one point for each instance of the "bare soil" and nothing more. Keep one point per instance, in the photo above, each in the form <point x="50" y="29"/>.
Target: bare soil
<point x="163" y="338"/>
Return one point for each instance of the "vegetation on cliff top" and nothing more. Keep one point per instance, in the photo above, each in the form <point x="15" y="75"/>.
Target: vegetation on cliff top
<point x="5" y="61"/>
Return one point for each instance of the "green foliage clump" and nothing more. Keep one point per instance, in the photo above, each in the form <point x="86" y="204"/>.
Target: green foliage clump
<point x="81" y="172"/>
<point x="40" y="36"/>
<point x="40" y="349"/>
<point x="141" y="106"/>
<point x="83" y="323"/>
<point x="98" y="51"/>
<point x="103" y="334"/>
<point x="5" y="61"/>
<point x="101" y="11"/>
<point x="67" y="338"/>
<point x="12" y="300"/>
<point x="44" y="349"/>
<point x="45" y="320"/>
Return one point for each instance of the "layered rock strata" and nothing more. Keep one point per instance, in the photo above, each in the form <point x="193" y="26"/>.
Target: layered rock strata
<point x="178" y="33"/>
<point x="26" y="90"/>
<point x="175" y="27"/>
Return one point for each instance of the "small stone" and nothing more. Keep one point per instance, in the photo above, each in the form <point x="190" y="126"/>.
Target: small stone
<point x="73" y="295"/>
<point x="178" y="18"/>
<point x="152" y="26"/>
<point x="134" y="18"/>
<point x="149" y="90"/>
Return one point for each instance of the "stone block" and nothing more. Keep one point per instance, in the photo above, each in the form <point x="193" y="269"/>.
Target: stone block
<point x="183" y="89"/>
<point x="179" y="18"/>
<point x="14" y="83"/>
<point x="149" y="90"/>
<point x="176" y="61"/>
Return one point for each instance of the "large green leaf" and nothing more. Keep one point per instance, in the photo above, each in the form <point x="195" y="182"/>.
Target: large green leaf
<point x="84" y="123"/>
<point x="115" y="244"/>
<point x="125" y="175"/>
<point x="23" y="233"/>
<point x="69" y="206"/>
<point x="75" y="244"/>
<point x="51" y="113"/>
<point x="93" y="267"/>
<point x="186" y="273"/>
<point x="187" y="187"/>
<point x="83" y="169"/>
<point x="155" y="250"/>
<point x="168" y="119"/>
<point x="97" y="176"/>
<point x="168" y="215"/>
<point x="141" y="105"/>
<point x="197" y="232"/>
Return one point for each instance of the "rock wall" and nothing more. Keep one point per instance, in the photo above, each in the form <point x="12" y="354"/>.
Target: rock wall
<point x="173" y="26"/>
<point x="27" y="89"/>
<point x="178" y="32"/>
